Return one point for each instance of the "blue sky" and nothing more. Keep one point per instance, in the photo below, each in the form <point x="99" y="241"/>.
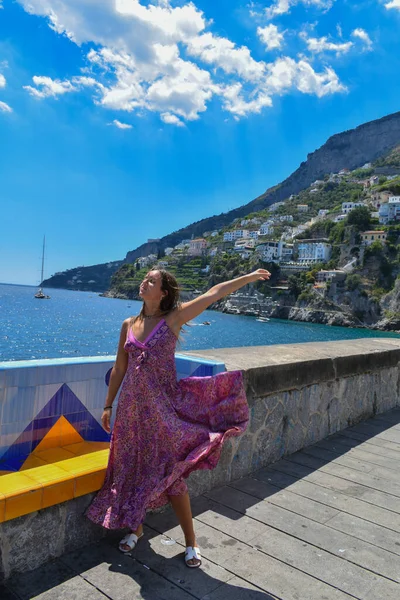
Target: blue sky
<point x="122" y="120"/>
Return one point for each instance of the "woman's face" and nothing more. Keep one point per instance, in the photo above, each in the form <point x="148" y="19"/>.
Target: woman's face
<point x="150" y="288"/>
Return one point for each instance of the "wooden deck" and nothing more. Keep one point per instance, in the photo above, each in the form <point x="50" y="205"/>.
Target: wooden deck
<point x="320" y="524"/>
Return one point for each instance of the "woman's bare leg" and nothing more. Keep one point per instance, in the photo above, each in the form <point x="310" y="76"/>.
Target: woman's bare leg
<point x="181" y="506"/>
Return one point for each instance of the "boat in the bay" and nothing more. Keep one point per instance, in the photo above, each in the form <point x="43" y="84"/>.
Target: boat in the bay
<point x="40" y="293"/>
<point x="262" y="319"/>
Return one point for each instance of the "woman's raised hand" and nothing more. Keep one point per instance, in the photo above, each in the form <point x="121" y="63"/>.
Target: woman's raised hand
<point x="262" y="274"/>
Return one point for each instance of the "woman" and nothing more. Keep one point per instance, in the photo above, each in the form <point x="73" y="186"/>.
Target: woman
<point x="164" y="429"/>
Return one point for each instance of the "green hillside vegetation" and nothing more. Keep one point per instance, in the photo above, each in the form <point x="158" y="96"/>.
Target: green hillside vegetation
<point x="374" y="274"/>
<point x="392" y="186"/>
<point x="127" y="279"/>
<point x="392" y="159"/>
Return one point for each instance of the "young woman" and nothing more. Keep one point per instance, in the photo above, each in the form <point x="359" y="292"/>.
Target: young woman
<point x="164" y="429"/>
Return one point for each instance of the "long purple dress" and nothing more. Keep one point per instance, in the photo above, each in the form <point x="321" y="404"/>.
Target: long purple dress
<point x="163" y="430"/>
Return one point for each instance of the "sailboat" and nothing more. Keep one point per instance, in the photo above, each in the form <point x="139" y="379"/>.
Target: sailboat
<point x="40" y="294"/>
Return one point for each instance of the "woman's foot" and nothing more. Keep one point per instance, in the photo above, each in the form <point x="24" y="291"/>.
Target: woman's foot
<point x="192" y="553"/>
<point x="128" y="543"/>
<point x="192" y="557"/>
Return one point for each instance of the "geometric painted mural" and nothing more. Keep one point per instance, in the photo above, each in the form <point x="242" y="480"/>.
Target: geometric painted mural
<point x="63" y="420"/>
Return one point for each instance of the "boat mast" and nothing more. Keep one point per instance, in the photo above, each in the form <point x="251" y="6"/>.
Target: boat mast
<point x="44" y="243"/>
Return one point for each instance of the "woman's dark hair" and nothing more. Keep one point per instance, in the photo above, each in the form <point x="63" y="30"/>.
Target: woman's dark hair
<point x="170" y="285"/>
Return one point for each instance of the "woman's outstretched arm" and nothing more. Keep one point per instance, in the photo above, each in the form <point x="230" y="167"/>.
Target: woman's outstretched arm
<point x="190" y="310"/>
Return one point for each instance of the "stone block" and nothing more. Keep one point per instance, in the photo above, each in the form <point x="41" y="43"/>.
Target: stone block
<point x="29" y="541"/>
<point x="242" y="460"/>
<point x="79" y="531"/>
<point x="364" y="362"/>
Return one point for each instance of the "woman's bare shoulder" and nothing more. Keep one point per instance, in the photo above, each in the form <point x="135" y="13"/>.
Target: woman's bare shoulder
<point x="127" y="323"/>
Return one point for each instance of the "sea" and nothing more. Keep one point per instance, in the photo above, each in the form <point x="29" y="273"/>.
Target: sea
<point x="73" y="324"/>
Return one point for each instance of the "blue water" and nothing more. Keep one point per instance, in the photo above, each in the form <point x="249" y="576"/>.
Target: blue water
<point x="84" y="324"/>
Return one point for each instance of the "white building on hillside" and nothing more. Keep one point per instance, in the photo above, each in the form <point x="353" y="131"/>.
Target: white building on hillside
<point x="253" y="235"/>
<point x="236" y="234"/>
<point x="275" y="251"/>
<point x="313" y="251"/>
<point x="269" y="251"/>
<point x="302" y="208"/>
<point x="390" y="211"/>
<point x="275" y="206"/>
<point x="335" y="275"/>
<point x="168" y="251"/>
<point x="266" y="228"/>
<point x="349" y="206"/>
<point x="317" y="183"/>
<point x="282" y="219"/>
<point x="143" y="261"/>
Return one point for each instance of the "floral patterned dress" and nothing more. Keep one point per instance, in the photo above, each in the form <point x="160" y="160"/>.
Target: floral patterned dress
<point x="163" y="430"/>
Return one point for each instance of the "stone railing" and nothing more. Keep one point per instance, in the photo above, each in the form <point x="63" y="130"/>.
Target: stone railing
<point x="297" y="394"/>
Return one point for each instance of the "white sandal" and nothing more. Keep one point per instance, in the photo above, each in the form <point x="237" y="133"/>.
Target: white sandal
<point x="130" y="540"/>
<point x="191" y="553"/>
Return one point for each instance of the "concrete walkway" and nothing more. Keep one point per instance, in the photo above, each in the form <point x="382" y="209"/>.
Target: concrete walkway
<point x="321" y="524"/>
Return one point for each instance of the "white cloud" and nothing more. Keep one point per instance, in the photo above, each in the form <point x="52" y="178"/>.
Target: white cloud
<point x="363" y="35"/>
<point x="5" y="107"/>
<point x="224" y="54"/>
<point x="236" y="103"/>
<point x="393" y="4"/>
<point x="121" y="125"/>
<point x="319" y="45"/>
<point x="150" y="56"/>
<point x="285" y="74"/>
<point x="270" y="36"/>
<point x="47" y="87"/>
<point x="281" y="7"/>
<point x="171" y="119"/>
<point x="2" y="81"/>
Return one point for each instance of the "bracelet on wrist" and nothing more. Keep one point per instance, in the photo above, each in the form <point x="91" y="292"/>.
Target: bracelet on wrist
<point x="107" y="408"/>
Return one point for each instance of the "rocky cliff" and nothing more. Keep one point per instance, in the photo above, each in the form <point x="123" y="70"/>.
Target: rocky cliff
<point x="350" y="149"/>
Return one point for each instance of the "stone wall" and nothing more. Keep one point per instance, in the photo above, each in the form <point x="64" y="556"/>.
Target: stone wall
<point x="298" y="394"/>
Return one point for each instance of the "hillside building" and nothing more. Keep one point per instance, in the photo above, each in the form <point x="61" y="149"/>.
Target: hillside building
<point x="390" y="211"/>
<point x="266" y="228"/>
<point x="335" y="275"/>
<point x="197" y="247"/>
<point x="347" y="207"/>
<point x="369" y="237"/>
<point x="235" y="234"/>
<point x="314" y="251"/>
